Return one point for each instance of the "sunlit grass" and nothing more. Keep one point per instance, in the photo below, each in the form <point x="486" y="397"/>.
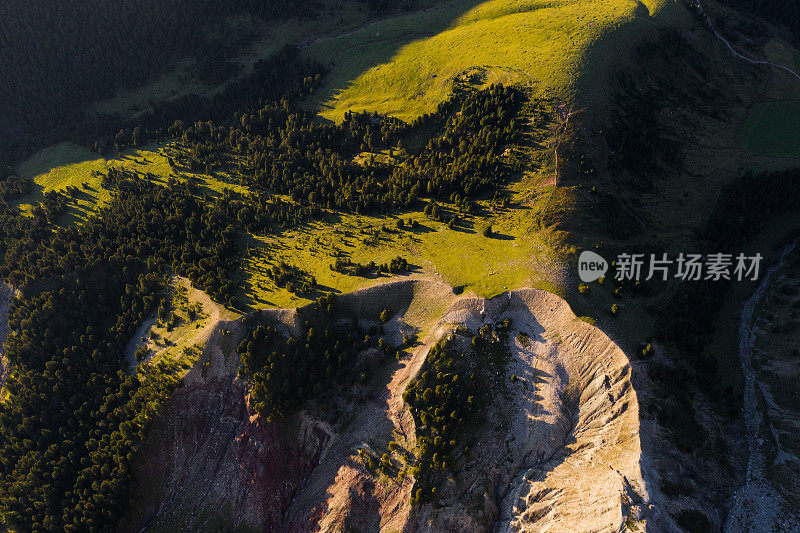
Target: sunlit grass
<point x="405" y="66"/>
<point x="543" y="44"/>
<point x="516" y="255"/>
<point x="64" y="165"/>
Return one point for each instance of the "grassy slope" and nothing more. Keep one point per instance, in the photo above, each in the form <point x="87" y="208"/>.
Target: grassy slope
<point x="406" y="66"/>
<point x="181" y="343"/>
<point x="780" y="52"/>
<point x="69" y="165"/>
<point x="268" y="37"/>
<point x="772" y="128"/>
<point x="682" y="197"/>
<point x="516" y="256"/>
<point x="65" y="165"/>
<point x="522" y="253"/>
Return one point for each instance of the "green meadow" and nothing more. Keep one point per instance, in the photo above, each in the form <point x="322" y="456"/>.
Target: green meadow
<point x="406" y="65"/>
<point x="515" y="255"/>
<point x="773" y="129"/>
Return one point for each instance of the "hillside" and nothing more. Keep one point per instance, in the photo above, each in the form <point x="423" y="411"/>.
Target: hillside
<point x="563" y="52"/>
<point x="544" y="45"/>
<point x="775" y="363"/>
<point x="318" y="272"/>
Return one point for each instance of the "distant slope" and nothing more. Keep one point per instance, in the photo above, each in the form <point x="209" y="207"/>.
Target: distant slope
<point x="57" y="56"/>
<point x="781" y="12"/>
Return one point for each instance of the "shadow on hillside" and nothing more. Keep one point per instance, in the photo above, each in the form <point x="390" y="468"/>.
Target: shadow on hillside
<point x="380" y="41"/>
<point x="501" y="236"/>
<point x="61" y="154"/>
<point x="420" y="229"/>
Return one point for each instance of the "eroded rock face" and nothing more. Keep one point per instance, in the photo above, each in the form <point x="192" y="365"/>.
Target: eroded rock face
<point x="583" y="472"/>
<point x="776" y="368"/>
<point x="211" y="461"/>
<point x="558" y="450"/>
<point x="352" y="505"/>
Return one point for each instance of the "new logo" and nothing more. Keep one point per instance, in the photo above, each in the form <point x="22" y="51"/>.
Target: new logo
<point x="591" y="266"/>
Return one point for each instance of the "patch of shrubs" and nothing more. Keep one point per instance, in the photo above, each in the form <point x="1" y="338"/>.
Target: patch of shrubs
<point x="292" y="278"/>
<point x="142" y="353"/>
<point x="455" y="384"/>
<point x="286" y="371"/>
<point x="397" y="265"/>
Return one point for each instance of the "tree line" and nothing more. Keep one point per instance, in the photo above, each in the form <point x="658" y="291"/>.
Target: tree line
<point x="73" y="419"/>
<point x="286" y="151"/>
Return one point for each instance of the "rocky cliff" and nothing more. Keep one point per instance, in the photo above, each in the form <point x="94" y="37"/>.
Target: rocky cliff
<point x="557" y="450"/>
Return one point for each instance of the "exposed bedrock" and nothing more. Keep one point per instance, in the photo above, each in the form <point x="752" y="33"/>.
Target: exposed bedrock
<point x="558" y="450"/>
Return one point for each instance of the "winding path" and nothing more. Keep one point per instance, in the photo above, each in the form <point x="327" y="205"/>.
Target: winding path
<point x="737" y="54"/>
<point x="190" y="337"/>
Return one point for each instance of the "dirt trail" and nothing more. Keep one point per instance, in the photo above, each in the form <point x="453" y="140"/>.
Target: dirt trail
<point x="211" y="307"/>
<point x="189" y="337"/>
